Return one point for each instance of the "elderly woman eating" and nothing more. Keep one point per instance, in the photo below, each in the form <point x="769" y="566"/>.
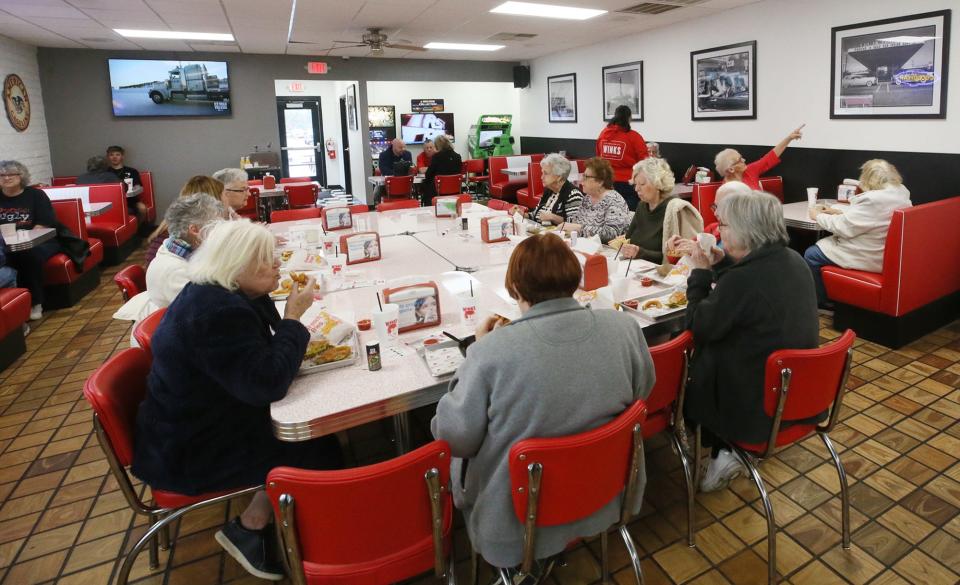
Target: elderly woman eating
<point x="860" y="229"/>
<point x="235" y="190"/>
<point x="660" y="216"/>
<point x="603" y="212"/>
<point x="536" y="377"/>
<point x="761" y="302"/>
<point x="732" y="167"/>
<point x="561" y="198"/>
<point x="221" y="355"/>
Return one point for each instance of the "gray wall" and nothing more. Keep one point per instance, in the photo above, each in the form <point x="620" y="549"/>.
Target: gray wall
<point x="76" y="97"/>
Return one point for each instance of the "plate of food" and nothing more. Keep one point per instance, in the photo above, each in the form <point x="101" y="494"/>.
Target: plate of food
<point x="286" y="284"/>
<point x="657" y="306"/>
<point x="333" y="343"/>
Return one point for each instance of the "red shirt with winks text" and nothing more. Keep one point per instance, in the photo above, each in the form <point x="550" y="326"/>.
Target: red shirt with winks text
<point x="623" y="148"/>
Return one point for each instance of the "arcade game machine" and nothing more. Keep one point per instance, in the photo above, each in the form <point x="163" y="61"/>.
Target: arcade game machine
<point x="490" y="136"/>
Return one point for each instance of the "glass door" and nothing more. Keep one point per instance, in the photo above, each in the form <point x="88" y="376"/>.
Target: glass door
<point x="301" y="138"/>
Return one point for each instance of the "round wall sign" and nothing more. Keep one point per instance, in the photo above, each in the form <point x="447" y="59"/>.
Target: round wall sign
<point x="17" y="102"/>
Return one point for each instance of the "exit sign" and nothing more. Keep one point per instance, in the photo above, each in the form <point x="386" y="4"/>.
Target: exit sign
<point x="295" y="86"/>
<point x="317" y="67"/>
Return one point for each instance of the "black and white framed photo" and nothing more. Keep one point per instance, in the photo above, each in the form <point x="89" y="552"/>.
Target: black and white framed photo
<point x="723" y="82"/>
<point x="352" y="107"/>
<point x="562" y="98"/>
<point x="892" y="68"/>
<point x="623" y="86"/>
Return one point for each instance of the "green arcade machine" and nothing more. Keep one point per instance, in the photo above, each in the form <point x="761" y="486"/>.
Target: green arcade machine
<point x="490" y="136"/>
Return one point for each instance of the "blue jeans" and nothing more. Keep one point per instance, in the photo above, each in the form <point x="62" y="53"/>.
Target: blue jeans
<point x="817" y="259"/>
<point x="8" y="277"/>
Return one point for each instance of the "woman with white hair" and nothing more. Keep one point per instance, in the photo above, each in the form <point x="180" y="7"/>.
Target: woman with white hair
<point x="732" y="167"/>
<point x="761" y="302"/>
<point x="660" y="216"/>
<point x="859" y="230"/>
<point x="560" y="198"/>
<point x="221" y="355"/>
<point x="235" y="190"/>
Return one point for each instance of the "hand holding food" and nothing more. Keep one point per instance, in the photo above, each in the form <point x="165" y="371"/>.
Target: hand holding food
<point x="698" y="258"/>
<point x="299" y="300"/>
<point x="617" y="242"/>
<point x="629" y="251"/>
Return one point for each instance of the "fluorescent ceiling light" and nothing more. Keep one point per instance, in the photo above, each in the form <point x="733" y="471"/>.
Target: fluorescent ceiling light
<point x="463" y="47"/>
<point x="172" y="34"/>
<point x="547" y="10"/>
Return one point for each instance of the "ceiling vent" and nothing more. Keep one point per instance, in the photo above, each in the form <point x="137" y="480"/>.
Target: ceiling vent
<point x="650" y="8"/>
<point x="505" y="36"/>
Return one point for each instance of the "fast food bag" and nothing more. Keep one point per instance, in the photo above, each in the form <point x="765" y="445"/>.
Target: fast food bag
<point x="331" y="339"/>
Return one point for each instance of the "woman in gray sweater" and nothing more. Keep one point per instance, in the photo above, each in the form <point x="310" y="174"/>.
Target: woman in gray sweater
<point x="558" y="370"/>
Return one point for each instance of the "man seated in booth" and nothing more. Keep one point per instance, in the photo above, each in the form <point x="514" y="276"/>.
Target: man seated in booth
<point x="115" y="157"/>
<point x="98" y="173"/>
<point x="395" y="160"/>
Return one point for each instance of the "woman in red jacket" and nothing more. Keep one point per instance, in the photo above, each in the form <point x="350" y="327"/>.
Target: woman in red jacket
<point x="623" y="147"/>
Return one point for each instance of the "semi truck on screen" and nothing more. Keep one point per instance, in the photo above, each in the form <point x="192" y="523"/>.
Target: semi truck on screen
<point x="189" y="82"/>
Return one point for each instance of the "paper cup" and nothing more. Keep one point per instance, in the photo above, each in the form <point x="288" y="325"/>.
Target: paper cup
<point x="9" y="231"/>
<point x="336" y="265"/>
<point x="330" y="245"/>
<point x="812" y="196"/>
<point x="706" y="241"/>
<point x="387" y="323"/>
<point x="619" y="287"/>
<point x="468" y="309"/>
<point x="613" y="267"/>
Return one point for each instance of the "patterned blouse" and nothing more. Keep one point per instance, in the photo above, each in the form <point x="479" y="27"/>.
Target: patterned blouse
<point x="609" y="217"/>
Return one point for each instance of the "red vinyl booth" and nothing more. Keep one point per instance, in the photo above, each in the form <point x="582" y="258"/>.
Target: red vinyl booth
<point x="63" y="284"/>
<point x="702" y="197"/>
<point x="773" y="186"/>
<point x="299" y="196"/>
<point x="251" y="209"/>
<point x="918" y="289"/>
<point x="530" y="195"/>
<point x="64" y="181"/>
<point x="473" y="171"/>
<point x="116" y="228"/>
<point x="281" y="215"/>
<point x="147" y="197"/>
<point x="295" y="180"/>
<point x="14" y="312"/>
<point x="132" y="281"/>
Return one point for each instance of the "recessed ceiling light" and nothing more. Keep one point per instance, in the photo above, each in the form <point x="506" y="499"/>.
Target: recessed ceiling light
<point x="547" y="10"/>
<point x="172" y="34"/>
<point x="462" y="47"/>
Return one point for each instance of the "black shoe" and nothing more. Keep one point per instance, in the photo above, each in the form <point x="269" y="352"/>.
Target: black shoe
<point x="250" y="548"/>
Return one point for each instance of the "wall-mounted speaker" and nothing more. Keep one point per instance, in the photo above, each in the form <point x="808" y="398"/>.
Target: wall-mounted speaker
<point x="521" y="76"/>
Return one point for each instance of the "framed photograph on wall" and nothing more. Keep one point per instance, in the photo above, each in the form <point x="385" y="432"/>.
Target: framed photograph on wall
<point x="562" y="98"/>
<point x="723" y="82"/>
<point x="893" y="68"/>
<point x="352" y="107"/>
<point x="623" y="86"/>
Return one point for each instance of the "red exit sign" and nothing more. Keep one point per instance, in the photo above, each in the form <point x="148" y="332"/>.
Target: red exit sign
<point x="317" y="67"/>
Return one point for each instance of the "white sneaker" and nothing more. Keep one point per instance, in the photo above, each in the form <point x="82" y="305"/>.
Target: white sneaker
<point x="36" y="312"/>
<point x="721" y="471"/>
<point x="26" y="330"/>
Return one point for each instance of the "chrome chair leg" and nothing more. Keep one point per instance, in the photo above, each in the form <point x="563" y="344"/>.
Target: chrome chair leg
<point x="165" y="539"/>
<point x="768" y="511"/>
<point x="505" y="577"/>
<point x="401" y="430"/>
<point x="844" y="495"/>
<point x="632" y="551"/>
<point x="154" y="545"/>
<point x="604" y="559"/>
<point x="474" y="567"/>
<point x="691" y="491"/>
<point x="697" y="456"/>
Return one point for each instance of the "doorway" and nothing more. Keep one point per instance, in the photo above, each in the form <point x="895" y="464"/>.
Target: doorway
<point x="345" y="141"/>
<point x="301" y="138"/>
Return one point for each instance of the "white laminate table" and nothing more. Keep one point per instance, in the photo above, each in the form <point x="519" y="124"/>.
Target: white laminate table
<point x="27" y="239"/>
<point x="797" y="215"/>
<point x="89" y="209"/>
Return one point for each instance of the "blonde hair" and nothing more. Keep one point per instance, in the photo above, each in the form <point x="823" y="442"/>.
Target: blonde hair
<point x="194" y="185"/>
<point x="442" y="143"/>
<point x="658" y="173"/>
<point x="229" y="249"/>
<point x="725" y="159"/>
<point x="877" y="173"/>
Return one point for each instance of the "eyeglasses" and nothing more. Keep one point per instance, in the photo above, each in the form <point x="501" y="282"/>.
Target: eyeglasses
<point x="238" y="190"/>
<point x="720" y="224"/>
<point x="590" y="177"/>
<point x="8" y="175"/>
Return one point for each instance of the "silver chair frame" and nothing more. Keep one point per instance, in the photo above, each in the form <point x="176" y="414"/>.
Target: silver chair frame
<point x="752" y="460"/>
<point x="290" y="541"/>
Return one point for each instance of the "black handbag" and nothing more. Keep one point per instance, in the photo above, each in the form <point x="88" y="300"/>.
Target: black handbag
<point x="76" y="248"/>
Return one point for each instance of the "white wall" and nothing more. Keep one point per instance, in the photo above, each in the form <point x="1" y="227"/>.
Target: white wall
<point x="31" y="147"/>
<point x="326" y="91"/>
<point x="793" y="70"/>
<point x="358" y="171"/>
<point x="467" y="101"/>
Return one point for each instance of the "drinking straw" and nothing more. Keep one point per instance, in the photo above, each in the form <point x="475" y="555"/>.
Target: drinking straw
<point x="336" y="249"/>
<point x="628" y="267"/>
<point x="379" y="304"/>
<point x="453" y="337"/>
<point x="560" y="228"/>
<point x="471" y="287"/>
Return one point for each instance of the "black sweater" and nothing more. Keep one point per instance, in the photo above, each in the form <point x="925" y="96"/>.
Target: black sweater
<point x="445" y="162"/>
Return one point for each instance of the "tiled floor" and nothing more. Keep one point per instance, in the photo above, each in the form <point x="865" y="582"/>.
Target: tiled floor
<point x="63" y="520"/>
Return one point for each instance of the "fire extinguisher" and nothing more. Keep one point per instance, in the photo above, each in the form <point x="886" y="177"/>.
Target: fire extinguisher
<point x="331" y="146"/>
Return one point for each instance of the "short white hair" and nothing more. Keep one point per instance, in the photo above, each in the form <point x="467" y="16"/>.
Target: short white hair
<point x="731" y="187"/>
<point x="658" y="173"/>
<point x="877" y="173"/>
<point x="229" y="249"/>
<point x="753" y="219"/>
<point x="556" y="165"/>
<point x="725" y="159"/>
<point x="231" y="175"/>
<point x="198" y="209"/>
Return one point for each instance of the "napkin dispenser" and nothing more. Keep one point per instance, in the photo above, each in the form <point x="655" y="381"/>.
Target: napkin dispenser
<point x="593" y="270"/>
<point x="419" y="305"/>
<point x="496" y="229"/>
<point x="336" y="218"/>
<point x="361" y="247"/>
<point x="447" y="206"/>
<point x="269" y="181"/>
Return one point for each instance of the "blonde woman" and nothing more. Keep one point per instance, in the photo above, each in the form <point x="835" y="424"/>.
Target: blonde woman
<point x="194" y="185"/>
<point x="221" y="355"/>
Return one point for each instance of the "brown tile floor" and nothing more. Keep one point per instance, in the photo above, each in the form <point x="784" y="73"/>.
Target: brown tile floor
<point x="63" y="520"/>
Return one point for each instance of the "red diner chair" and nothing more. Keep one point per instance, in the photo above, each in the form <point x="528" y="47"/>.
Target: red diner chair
<point x="143" y="331"/>
<point x="341" y="526"/>
<point x="115" y="391"/>
<point x="398" y="187"/>
<point x="501" y="205"/>
<point x="147" y="197"/>
<point x="359" y="208"/>
<point x="294" y="214"/>
<point x="15" y="306"/>
<point x="295" y="180"/>
<point x="448" y="184"/>
<point x="500" y="185"/>
<point x="401" y="204"/>
<point x="473" y="169"/>
<point x="251" y="207"/>
<point x="299" y="196"/>
<point x="703" y="197"/>
<point x="802" y="383"/>
<point x="115" y="228"/>
<point x="773" y="186"/>
<point x="132" y="281"/>
<point x="560" y="480"/>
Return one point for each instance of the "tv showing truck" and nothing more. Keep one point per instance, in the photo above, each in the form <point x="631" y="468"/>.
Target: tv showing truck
<point x="152" y="87"/>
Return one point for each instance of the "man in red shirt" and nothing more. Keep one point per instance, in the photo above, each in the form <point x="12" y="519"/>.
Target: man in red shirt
<point x="732" y="167"/>
<point x="623" y="147"/>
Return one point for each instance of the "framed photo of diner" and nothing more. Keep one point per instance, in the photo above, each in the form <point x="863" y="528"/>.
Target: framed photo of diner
<point x="351" y="103"/>
<point x="623" y="86"/>
<point x="562" y="98"/>
<point x="723" y="82"/>
<point x="892" y="68"/>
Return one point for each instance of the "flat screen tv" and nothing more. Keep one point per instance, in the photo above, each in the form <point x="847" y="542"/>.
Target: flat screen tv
<point x="152" y="87"/>
<point x="418" y="128"/>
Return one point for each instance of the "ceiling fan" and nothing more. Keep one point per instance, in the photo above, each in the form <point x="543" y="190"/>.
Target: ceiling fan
<point x="373" y="38"/>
